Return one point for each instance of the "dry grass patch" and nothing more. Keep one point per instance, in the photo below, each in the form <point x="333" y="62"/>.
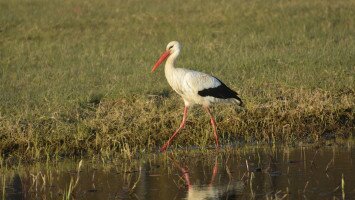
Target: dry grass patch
<point x="130" y="126"/>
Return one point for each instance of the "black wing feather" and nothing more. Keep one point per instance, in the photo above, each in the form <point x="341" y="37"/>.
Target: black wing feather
<point x="221" y="92"/>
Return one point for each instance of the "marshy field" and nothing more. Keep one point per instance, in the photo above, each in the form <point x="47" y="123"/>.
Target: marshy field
<point x="75" y="83"/>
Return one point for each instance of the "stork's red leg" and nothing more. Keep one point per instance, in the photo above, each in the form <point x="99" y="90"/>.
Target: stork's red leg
<point x="213" y="123"/>
<point x="185" y="174"/>
<point x="214" y="173"/>
<point x="182" y="125"/>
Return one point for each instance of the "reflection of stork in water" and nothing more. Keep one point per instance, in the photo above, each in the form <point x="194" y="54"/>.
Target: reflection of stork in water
<point x="210" y="191"/>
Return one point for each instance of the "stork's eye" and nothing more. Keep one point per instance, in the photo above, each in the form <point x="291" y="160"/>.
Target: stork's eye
<point x="171" y="47"/>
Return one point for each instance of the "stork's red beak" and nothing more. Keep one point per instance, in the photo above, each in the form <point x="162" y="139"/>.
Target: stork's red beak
<point x="163" y="57"/>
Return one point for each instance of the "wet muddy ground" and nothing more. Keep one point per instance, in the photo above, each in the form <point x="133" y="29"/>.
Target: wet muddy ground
<point x="251" y="172"/>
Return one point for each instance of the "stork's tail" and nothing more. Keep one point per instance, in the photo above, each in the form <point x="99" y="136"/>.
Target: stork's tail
<point x="238" y="100"/>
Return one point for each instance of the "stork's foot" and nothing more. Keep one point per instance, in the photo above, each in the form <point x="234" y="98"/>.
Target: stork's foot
<point x="164" y="147"/>
<point x="217" y="143"/>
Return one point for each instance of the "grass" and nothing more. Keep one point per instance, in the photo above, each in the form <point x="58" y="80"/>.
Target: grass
<point x="69" y="193"/>
<point x="75" y="75"/>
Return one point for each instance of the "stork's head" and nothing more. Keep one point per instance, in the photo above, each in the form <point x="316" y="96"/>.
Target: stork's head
<point x="173" y="48"/>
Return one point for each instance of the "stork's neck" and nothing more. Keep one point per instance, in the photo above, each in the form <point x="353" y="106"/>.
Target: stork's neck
<point x="169" y="65"/>
<point x="172" y="74"/>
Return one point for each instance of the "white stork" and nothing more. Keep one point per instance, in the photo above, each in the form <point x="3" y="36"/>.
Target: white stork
<point x="194" y="87"/>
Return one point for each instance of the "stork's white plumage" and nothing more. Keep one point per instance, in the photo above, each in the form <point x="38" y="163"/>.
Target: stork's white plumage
<point x="194" y="87"/>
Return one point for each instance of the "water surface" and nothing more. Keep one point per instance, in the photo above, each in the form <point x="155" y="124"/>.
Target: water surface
<point x="325" y="172"/>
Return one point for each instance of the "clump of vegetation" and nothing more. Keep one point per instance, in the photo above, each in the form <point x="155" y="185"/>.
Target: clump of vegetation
<point x="74" y="77"/>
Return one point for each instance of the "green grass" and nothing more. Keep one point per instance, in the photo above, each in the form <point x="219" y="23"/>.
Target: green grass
<point x="75" y="75"/>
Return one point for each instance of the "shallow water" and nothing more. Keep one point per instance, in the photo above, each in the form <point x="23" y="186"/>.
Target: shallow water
<point x="240" y="173"/>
